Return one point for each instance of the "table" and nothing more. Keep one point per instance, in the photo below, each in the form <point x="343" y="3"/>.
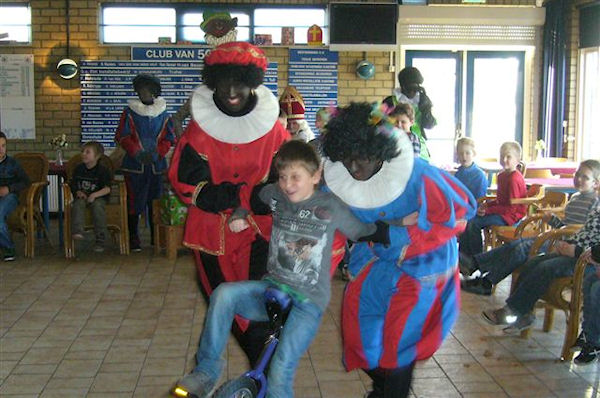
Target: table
<point x="555" y="167"/>
<point x="554" y="184"/>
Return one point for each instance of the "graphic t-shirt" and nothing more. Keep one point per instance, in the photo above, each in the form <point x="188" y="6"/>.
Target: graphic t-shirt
<point x="300" y="247"/>
<point x="89" y="180"/>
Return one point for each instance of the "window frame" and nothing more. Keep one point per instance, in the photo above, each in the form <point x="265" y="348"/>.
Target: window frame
<point x="182" y="8"/>
<point x="28" y="25"/>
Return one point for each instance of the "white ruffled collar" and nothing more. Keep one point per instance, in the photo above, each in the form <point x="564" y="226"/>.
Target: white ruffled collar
<point x="379" y="190"/>
<point x="153" y="110"/>
<point x="238" y="129"/>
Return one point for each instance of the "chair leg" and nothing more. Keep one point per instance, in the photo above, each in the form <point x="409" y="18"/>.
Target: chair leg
<point x="548" y="319"/>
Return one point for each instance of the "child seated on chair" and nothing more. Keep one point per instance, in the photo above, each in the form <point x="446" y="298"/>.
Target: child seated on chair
<point x="90" y="185"/>
<point x="469" y="173"/>
<point x="538" y="274"/>
<point x="12" y="181"/>
<point x="500" y="211"/>
<point x="304" y="222"/>
<point x="497" y="264"/>
<point x="588" y="342"/>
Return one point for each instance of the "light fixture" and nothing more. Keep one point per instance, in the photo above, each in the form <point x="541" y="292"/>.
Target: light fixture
<point x="365" y="69"/>
<point x="67" y="68"/>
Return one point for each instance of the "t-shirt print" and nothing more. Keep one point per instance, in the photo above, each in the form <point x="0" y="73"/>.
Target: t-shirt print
<point x="299" y="240"/>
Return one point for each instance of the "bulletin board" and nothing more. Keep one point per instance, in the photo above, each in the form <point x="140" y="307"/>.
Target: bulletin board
<point x="107" y="85"/>
<point x="17" y="96"/>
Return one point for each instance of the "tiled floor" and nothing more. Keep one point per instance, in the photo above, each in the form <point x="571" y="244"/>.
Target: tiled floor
<point x="123" y="326"/>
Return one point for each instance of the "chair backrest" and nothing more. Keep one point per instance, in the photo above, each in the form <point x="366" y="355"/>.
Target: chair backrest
<point x="35" y="165"/>
<point x="538" y="173"/>
<point x="553" y="199"/>
<point x="76" y="160"/>
<point x="522" y="167"/>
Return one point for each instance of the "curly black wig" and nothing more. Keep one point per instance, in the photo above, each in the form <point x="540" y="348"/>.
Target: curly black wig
<point x="409" y="75"/>
<point x="349" y="135"/>
<point x="250" y="75"/>
<point x="149" y="81"/>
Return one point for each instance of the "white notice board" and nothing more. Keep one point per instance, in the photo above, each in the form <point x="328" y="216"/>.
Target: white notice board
<point x="17" y="96"/>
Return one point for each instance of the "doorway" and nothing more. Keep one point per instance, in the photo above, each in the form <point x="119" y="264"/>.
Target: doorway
<point x="478" y="94"/>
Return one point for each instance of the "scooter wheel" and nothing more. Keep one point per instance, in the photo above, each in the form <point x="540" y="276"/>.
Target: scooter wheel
<point x="242" y="387"/>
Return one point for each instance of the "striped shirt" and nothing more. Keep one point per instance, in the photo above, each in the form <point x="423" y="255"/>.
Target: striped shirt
<point x="576" y="210"/>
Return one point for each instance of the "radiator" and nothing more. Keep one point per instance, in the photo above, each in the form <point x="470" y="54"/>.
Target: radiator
<point x="53" y="191"/>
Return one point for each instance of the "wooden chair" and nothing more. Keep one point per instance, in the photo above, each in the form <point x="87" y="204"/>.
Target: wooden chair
<point x="534" y="195"/>
<point x="563" y="294"/>
<point x="27" y="216"/>
<point x="116" y="211"/>
<point x="538" y="173"/>
<point x="532" y="225"/>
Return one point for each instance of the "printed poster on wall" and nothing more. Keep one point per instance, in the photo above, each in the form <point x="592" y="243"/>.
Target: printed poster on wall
<point x="17" y="96"/>
<point x="314" y="73"/>
<point x="106" y="85"/>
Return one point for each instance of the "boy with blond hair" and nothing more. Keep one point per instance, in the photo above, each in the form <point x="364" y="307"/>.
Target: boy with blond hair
<point x="469" y="173"/>
<point x="90" y="185"/>
<point x="500" y="211"/>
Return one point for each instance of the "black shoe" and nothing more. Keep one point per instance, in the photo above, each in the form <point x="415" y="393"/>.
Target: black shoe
<point x="9" y="254"/>
<point x="589" y="354"/>
<point x="466" y="264"/>
<point x="480" y="286"/>
<point x="134" y="244"/>
<point x="579" y="343"/>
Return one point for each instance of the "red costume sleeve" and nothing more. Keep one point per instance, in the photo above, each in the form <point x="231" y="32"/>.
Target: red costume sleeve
<point x="438" y="211"/>
<point x="183" y="190"/>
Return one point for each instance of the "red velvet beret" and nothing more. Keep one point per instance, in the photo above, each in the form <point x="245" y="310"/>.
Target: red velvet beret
<point x="237" y="53"/>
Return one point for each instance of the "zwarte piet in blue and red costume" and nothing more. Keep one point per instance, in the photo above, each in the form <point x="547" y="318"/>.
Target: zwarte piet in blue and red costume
<point x="403" y="297"/>
<point x="220" y="164"/>
<point x="146" y="134"/>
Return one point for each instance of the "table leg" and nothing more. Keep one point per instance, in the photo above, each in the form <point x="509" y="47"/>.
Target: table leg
<point x="60" y="212"/>
<point x="45" y="210"/>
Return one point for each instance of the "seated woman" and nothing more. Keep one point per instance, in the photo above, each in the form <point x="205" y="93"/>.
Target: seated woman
<point x="404" y="295"/>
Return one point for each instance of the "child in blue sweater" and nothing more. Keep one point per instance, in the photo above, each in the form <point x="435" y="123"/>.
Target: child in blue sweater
<point x="469" y="173"/>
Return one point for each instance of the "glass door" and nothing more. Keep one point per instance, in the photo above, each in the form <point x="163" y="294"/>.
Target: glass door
<point x="442" y="76"/>
<point x="486" y="97"/>
<point x="494" y="99"/>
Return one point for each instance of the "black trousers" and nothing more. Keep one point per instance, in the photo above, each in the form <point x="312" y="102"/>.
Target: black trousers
<point x="391" y="383"/>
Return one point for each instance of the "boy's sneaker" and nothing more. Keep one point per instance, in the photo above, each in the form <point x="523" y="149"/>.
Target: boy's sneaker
<point x="466" y="264"/>
<point x="500" y="317"/>
<point x="78" y="236"/>
<point x="9" y="254"/>
<point x="194" y="384"/>
<point x="579" y="343"/>
<point x="589" y="354"/>
<point x="522" y="323"/>
<point x="481" y="286"/>
<point x="134" y="244"/>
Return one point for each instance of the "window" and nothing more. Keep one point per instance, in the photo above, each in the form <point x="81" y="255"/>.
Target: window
<point x="271" y="20"/>
<point x="135" y="23"/>
<point x="15" y="23"/>
<point x="588" y="118"/>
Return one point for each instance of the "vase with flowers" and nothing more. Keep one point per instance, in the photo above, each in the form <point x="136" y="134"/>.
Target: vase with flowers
<point x="540" y="147"/>
<point x="59" y="143"/>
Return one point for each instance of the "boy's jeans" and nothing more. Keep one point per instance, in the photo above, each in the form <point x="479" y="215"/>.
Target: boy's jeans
<point x="98" y="208"/>
<point x="8" y="204"/>
<point x="502" y="261"/>
<point x="591" y="301"/>
<point x="535" y="279"/>
<point x="246" y="299"/>
<point x="470" y="241"/>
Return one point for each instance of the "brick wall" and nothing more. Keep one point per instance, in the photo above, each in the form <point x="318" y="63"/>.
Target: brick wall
<point x="58" y="101"/>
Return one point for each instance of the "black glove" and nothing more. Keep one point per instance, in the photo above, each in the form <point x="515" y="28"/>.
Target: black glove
<point x="144" y="157"/>
<point x="215" y="198"/>
<point x="381" y="234"/>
